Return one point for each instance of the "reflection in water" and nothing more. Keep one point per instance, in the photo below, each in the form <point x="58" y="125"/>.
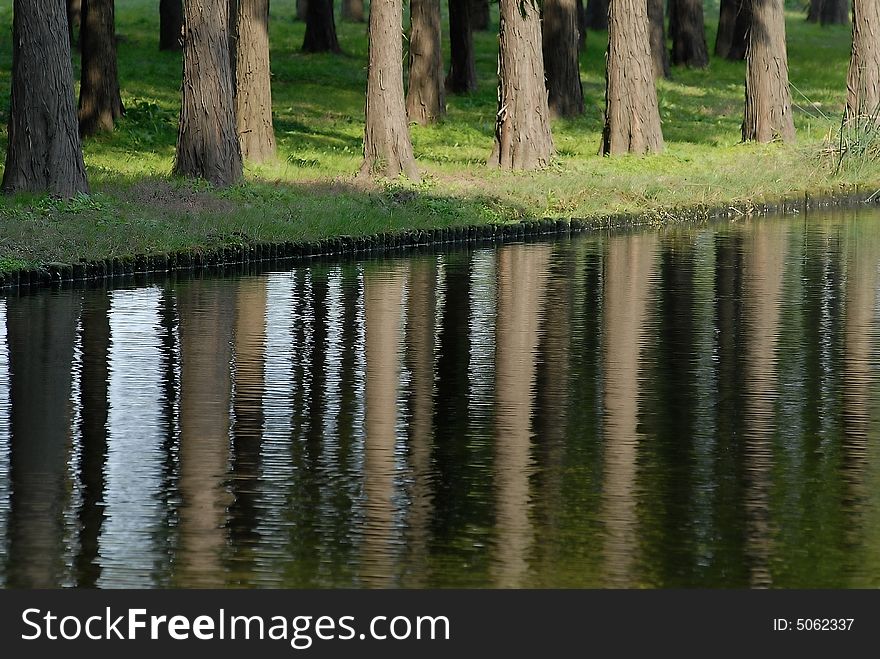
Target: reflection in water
<point x="692" y="407"/>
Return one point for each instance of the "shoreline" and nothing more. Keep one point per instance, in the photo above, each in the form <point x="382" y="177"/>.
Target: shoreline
<point x="239" y="257"/>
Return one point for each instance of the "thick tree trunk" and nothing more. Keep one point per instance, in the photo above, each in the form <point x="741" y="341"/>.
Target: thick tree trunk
<point x="251" y="79"/>
<point x="207" y="141"/>
<point x="353" y="11"/>
<point x="302" y="10"/>
<point x="170" y="24"/>
<point x="44" y="152"/>
<point x="462" y="77"/>
<point x="74" y="18"/>
<point x="100" y="104"/>
<point x="522" y="126"/>
<point x="863" y="80"/>
<point x="734" y="21"/>
<point x="632" y="116"/>
<point x="320" y="28"/>
<point x="387" y="146"/>
<point x="425" y="98"/>
<point x="688" y="33"/>
<point x="657" y="34"/>
<point x="768" y="101"/>
<point x="835" y="12"/>
<point x="597" y="14"/>
<point x="561" y="65"/>
<point x="480" y="14"/>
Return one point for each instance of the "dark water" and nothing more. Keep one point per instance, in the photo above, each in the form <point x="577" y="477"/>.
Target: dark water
<point x="691" y="407"/>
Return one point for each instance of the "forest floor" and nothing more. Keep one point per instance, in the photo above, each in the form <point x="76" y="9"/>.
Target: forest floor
<point x="311" y="191"/>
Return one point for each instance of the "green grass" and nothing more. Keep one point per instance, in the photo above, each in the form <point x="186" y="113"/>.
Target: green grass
<point x="311" y="192"/>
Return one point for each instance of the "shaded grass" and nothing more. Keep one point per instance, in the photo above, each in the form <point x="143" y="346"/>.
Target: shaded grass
<point x="310" y="193"/>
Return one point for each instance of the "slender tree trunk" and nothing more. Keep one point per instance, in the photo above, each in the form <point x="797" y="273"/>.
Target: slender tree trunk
<point x="582" y="24"/>
<point x="480" y="14"/>
<point x="657" y="34"/>
<point x="387" y="146"/>
<point x="632" y="116"/>
<point x="251" y="78"/>
<point x="462" y="77"/>
<point x="100" y="103"/>
<point x="522" y="126"/>
<point x="835" y="12"/>
<point x="863" y="80"/>
<point x="734" y="21"/>
<point x="302" y="10"/>
<point x="768" y="101"/>
<point x="74" y="19"/>
<point x="425" y="98"/>
<point x="688" y="32"/>
<point x="44" y="152"/>
<point x="353" y="11"/>
<point x="597" y="14"/>
<point x="207" y="141"/>
<point x="561" y="65"/>
<point x="170" y="24"/>
<point x="320" y="28"/>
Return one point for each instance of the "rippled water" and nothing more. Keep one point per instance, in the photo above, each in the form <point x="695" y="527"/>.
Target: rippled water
<point x="691" y="407"/>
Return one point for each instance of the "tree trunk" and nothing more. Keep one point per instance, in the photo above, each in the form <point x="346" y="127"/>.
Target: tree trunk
<point x="170" y="24"/>
<point x="814" y="12"/>
<point x="582" y="24"/>
<point x="462" y="77"/>
<point x="44" y="152"/>
<point x="100" y="104"/>
<point x="768" y="101"/>
<point x="302" y="10"/>
<point x="688" y="33"/>
<point x="353" y="11"/>
<point x="863" y="80"/>
<point x="74" y="19"/>
<point x="835" y="12"/>
<point x="632" y="117"/>
<point x="657" y="34"/>
<point x="561" y="65"/>
<point x="251" y="78"/>
<point x="425" y="98"/>
<point x="522" y="127"/>
<point x="207" y="141"/>
<point x="480" y="14"/>
<point x="320" y="28"/>
<point x="734" y="21"/>
<point x="597" y="14"/>
<point x="387" y="146"/>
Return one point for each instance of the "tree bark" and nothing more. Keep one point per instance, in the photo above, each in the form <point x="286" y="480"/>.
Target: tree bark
<point x="425" y="98"/>
<point x="657" y="34"/>
<point x="688" y="32"/>
<point x="863" y="79"/>
<point x="733" y="29"/>
<point x="100" y="103"/>
<point x="251" y="78"/>
<point x="387" y="146"/>
<point x="835" y="12"/>
<point x="44" y="152"/>
<point x="597" y="14"/>
<point x="480" y="14"/>
<point x="353" y="11"/>
<point x="207" y="141"/>
<point x="74" y="19"/>
<point x="170" y="24"/>
<point x="632" y="116"/>
<point x="561" y="64"/>
<point x="320" y="28"/>
<point x="462" y="77"/>
<point x="814" y="12"/>
<point x="582" y="24"/>
<point x="302" y="10"/>
<point x="522" y="126"/>
<point x="767" y="113"/>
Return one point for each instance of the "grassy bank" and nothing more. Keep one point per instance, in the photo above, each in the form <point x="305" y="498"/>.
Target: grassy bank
<point x="310" y="193"/>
